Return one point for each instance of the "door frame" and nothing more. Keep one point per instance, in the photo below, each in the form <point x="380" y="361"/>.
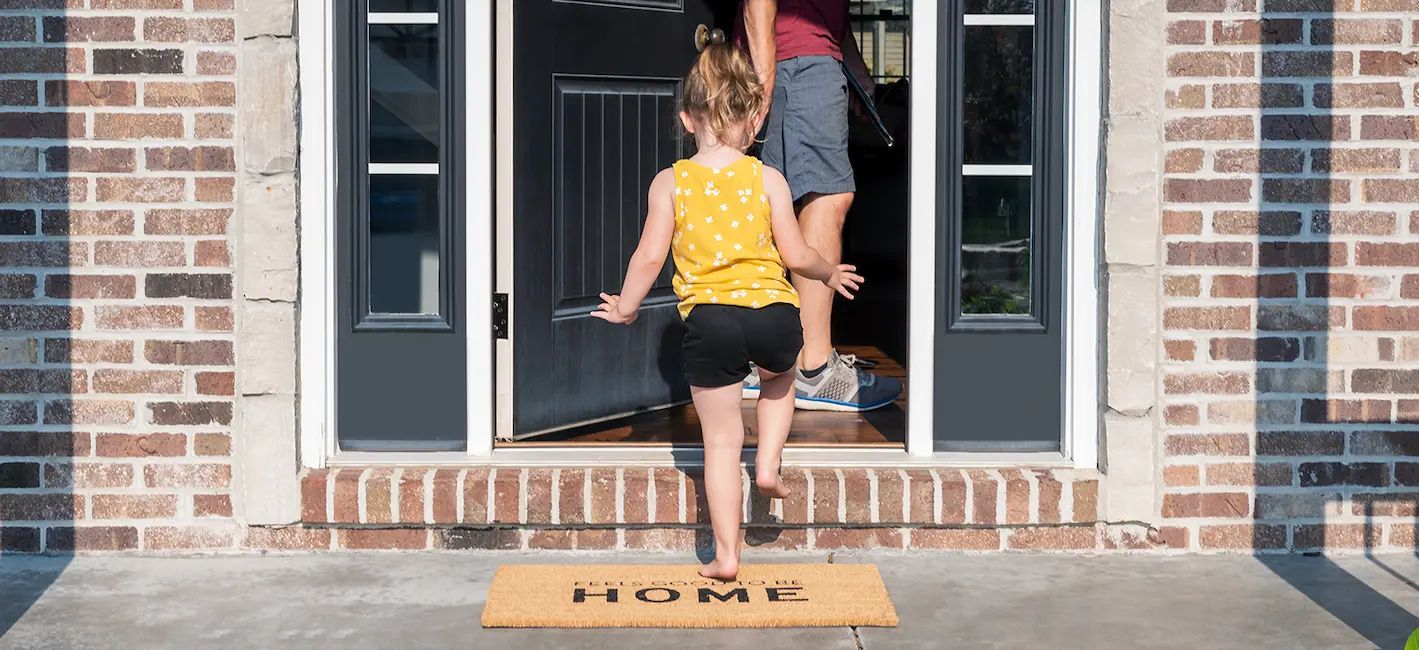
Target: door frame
<point x="488" y="161"/>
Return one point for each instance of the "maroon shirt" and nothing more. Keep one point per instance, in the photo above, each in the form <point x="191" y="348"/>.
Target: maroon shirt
<point x="803" y="28"/>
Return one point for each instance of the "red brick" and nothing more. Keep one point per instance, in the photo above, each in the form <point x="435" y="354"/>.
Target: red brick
<point x="213" y="253"/>
<point x="1324" y="411"/>
<point x="1386" y="254"/>
<point x="1181" y="415"/>
<point x="1252" y="222"/>
<point x="857" y="538"/>
<point x="211" y="221"/>
<point x="87" y="475"/>
<point x="1187" y="32"/>
<point x="1207" y="318"/>
<point x="1256" y="95"/>
<point x="41" y="507"/>
<point x="667" y="495"/>
<point x="603" y="497"/>
<point x="289" y="538"/>
<point x="1271" y="285"/>
<point x="123" y="445"/>
<point x="445" y="494"/>
<point x="507" y="493"/>
<point x="955" y="539"/>
<point x="215" y="190"/>
<point x="1212" y="64"/>
<point x="347" y="496"/>
<point x="1335" y="536"/>
<point x="379" y="496"/>
<point x="1255" y="349"/>
<point x="205" y="476"/>
<point x="1384" y="190"/>
<point x="555" y="539"/>
<point x="90" y="287"/>
<point x="1272" y="31"/>
<point x="411" y="496"/>
<point x="19" y="539"/>
<point x="635" y="501"/>
<point x="953" y="498"/>
<point x="1385" y="504"/>
<point x="1187" y="97"/>
<point x="1251" y="161"/>
<point x="135" y="126"/>
<point x="595" y="540"/>
<point x="91" y="538"/>
<point x="1208" y="444"/>
<point x="1211" y="6"/>
<point x="1051" y="491"/>
<point x="857" y="499"/>
<point x="1017" y="497"/>
<point x="475" y="496"/>
<point x="80" y="29"/>
<point x="216" y="63"/>
<point x="90" y="411"/>
<point x="539" y="496"/>
<point x="1180" y="475"/>
<point x="137" y="381"/>
<point x="186" y="94"/>
<point x="1182" y="286"/>
<point x="1052" y="538"/>
<point x="826" y="491"/>
<point x="795" y="508"/>
<point x="90" y="93"/>
<point x="985" y="492"/>
<point x="1180" y="350"/>
<point x="163" y="29"/>
<point x="215" y="126"/>
<point x="1183" y="161"/>
<point x="473" y="538"/>
<point x="889" y="496"/>
<point x="189" y="353"/>
<point x="134" y="506"/>
<point x="922" y="496"/>
<point x="216" y="383"/>
<point x="212" y="444"/>
<point x="1345" y="285"/>
<point x="214" y="319"/>
<point x="88" y="222"/>
<point x="388" y="539"/>
<point x="1213" y="128"/>
<point x="190" y="159"/>
<point x="139" y="253"/>
<point x="661" y="539"/>
<point x="313" y="492"/>
<point x="141" y="190"/>
<point x="1386" y="318"/>
<point x="1306" y="63"/>
<point x="1242" y="537"/>
<point x="1210" y="383"/>
<point x="1357" y="32"/>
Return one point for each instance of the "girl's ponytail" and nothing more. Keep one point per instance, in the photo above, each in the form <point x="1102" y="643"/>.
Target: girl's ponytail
<point x="722" y="91"/>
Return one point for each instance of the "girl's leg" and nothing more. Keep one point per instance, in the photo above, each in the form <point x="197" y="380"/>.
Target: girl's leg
<point x="723" y="428"/>
<point x="775" y="413"/>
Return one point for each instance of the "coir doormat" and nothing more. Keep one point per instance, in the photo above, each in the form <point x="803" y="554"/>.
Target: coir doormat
<point x="765" y="595"/>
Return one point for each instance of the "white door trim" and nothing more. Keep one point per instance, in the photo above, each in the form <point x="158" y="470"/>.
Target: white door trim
<point x="316" y="400"/>
<point x="921" y="220"/>
<point x="1081" y="304"/>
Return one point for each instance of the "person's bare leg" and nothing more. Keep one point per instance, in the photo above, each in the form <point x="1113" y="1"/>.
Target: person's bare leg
<point x="775" y="415"/>
<point x="722" y="425"/>
<point x="821" y="217"/>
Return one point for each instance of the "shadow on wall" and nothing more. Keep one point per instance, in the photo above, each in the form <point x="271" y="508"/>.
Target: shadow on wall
<point x="1339" y="449"/>
<point x="38" y="507"/>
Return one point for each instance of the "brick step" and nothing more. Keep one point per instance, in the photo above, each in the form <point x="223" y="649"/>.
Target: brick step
<point x="664" y="508"/>
<point x="637" y="495"/>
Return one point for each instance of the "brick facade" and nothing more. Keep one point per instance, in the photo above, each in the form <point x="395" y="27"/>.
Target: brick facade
<point x="117" y="357"/>
<point x="1259" y="267"/>
<point x="1291" y="273"/>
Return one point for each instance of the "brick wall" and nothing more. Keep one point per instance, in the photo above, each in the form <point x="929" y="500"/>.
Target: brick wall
<point x="117" y="176"/>
<point x="1291" y="273"/>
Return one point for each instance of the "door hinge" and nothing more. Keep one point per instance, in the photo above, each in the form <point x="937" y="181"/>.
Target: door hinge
<point x="499" y="315"/>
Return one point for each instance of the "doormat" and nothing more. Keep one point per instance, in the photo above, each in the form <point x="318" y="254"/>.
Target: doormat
<point x="765" y="595"/>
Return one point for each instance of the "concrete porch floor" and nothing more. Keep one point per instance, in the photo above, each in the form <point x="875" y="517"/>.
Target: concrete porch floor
<point x="434" y="600"/>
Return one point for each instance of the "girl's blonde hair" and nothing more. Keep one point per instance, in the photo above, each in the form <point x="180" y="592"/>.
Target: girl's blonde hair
<point x="722" y="91"/>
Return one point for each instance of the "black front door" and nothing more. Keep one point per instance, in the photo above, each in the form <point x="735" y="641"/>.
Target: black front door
<point x="401" y="332"/>
<point x="594" y="101"/>
<point x="1000" y="311"/>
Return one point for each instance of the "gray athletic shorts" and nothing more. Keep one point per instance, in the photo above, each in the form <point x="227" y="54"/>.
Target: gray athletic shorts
<point x="806" y="133"/>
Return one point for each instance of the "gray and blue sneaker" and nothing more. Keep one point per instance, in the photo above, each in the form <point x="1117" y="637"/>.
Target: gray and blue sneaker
<point x="751" y="383"/>
<point x="842" y="386"/>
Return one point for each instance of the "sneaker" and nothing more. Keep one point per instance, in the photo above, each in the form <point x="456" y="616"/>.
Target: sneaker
<point x="751" y="383"/>
<point x="842" y="386"/>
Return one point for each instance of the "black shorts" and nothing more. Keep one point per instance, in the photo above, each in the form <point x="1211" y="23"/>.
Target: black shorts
<point x="721" y="341"/>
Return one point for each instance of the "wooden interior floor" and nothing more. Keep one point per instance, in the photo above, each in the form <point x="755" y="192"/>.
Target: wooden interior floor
<point x="886" y="426"/>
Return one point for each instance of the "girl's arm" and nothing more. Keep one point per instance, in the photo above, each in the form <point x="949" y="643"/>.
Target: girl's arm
<point x="650" y="255"/>
<point x="796" y="253"/>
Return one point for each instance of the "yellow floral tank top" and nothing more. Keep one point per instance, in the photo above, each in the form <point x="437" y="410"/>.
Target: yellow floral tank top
<point x="724" y="243"/>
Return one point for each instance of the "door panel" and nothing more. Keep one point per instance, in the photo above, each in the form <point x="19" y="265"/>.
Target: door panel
<point x="594" y="94"/>
<point x="1000" y="312"/>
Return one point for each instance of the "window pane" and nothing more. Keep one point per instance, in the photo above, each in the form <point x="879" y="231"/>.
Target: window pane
<point x="404" y="93"/>
<point x="995" y="245"/>
<point x="403" y="6"/>
<point x="1000" y="6"/>
<point x="998" y="94"/>
<point x="404" y="244"/>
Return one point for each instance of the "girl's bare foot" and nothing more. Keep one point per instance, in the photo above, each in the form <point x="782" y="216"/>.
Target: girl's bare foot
<point x="772" y="488"/>
<point x="720" y="569"/>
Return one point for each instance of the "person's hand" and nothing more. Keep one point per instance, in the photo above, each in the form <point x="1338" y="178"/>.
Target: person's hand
<point x="844" y="280"/>
<point x="870" y="87"/>
<point x="610" y="311"/>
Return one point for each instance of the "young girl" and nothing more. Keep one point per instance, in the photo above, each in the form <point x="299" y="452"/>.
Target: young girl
<point x="728" y="221"/>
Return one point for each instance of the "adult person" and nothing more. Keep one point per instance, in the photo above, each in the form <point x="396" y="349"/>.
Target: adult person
<point x="799" y="49"/>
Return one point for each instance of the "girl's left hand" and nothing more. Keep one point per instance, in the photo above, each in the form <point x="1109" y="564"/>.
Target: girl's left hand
<point x="609" y="311"/>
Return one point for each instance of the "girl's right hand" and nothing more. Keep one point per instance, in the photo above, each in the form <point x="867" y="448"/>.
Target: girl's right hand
<point x="844" y="280"/>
